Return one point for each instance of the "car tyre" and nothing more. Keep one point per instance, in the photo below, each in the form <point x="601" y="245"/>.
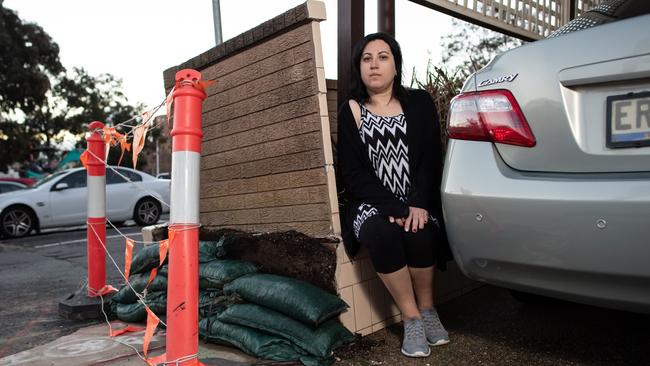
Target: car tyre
<point x="146" y="212"/>
<point x="17" y="221"/>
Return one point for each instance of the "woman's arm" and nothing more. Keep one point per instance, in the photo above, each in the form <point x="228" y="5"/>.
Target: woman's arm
<point x="426" y="182"/>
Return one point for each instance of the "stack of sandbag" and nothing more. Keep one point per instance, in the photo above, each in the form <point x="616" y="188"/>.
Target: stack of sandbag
<point x="283" y="319"/>
<point x="214" y="273"/>
<point x="268" y="316"/>
<point x="125" y="303"/>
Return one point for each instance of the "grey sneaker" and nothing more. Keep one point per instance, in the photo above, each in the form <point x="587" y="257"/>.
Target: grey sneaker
<point x="415" y="342"/>
<point x="435" y="332"/>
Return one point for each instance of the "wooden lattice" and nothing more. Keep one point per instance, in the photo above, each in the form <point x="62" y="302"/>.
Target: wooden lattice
<point x="533" y="19"/>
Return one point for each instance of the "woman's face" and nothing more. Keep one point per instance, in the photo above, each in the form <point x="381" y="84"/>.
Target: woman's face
<point x="377" y="67"/>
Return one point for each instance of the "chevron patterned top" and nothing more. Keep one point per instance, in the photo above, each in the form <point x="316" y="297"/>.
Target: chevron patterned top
<point x="385" y="139"/>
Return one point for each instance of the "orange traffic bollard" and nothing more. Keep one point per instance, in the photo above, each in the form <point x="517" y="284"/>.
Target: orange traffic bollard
<point x="183" y="280"/>
<point x="96" y="170"/>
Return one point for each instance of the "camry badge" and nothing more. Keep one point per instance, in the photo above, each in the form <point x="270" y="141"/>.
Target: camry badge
<point x="503" y="79"/>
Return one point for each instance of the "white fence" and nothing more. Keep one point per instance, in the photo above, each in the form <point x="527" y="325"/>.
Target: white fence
<point x="528" y="19"/>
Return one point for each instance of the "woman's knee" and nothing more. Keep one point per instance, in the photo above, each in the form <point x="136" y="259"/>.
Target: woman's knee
<point x="378" y="231"/>
<point x="419" y="247"/>
<point x="384" y="243"/>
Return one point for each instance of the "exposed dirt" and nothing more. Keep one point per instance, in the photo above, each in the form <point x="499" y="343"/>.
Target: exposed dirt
<point x="288" y="253"/>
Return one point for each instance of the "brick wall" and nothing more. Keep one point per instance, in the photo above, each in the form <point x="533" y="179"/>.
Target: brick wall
<point x="266" y="152"/>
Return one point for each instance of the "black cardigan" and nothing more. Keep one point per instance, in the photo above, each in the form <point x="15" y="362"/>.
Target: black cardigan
<point x="360" y="182"/>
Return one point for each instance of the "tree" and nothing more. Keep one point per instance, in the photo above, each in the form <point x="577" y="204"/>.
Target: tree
<point x="41" y="102"/>
<point x="28" y="60"/>
<point x="466" y="50"/>
<point x="470" y="47"/>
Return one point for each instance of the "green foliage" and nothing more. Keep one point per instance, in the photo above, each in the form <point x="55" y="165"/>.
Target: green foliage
<point x="28" y="60"/>
<point x="41" y="102"/>
<point x="470" y="47"/>
<point x="443" y="86"/>
<point x="466" y="50"/>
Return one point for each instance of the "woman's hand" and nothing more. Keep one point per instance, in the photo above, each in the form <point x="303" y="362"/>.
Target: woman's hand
<point x="416" y="219"/>
<point x="399" y="221"/>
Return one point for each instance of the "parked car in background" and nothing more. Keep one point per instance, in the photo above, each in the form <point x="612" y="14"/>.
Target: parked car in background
<point x="164" y="176"/>
<point x="23" y="181"/>
<point x="546" y="186"/>
<point x="61" y="200"/>
<point x="8" y="186"/>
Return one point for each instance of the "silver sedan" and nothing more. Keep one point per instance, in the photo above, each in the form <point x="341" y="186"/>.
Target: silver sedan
<point x="546" y="186"/>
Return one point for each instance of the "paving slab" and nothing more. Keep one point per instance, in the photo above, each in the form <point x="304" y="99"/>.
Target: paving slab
<point x="93" y="346"/>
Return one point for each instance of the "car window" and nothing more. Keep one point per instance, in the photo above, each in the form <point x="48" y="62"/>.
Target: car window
<point x="606" y="12"/>
<point x="5" y="187"/>
<point x="75" y="180"/>
<point x="115" y="178"/>
<point x="47" y="179"/>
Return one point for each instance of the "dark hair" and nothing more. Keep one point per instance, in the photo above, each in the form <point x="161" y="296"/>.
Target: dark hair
<point x="358" y="89"/>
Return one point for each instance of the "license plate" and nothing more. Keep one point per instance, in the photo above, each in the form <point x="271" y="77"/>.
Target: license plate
<point x="628" y="120"/>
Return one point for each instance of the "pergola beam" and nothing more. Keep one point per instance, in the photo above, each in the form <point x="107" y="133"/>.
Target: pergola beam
<point x="350" y="31"/>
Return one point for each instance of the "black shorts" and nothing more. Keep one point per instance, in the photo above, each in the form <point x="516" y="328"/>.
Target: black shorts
<point x="391" y="248"/>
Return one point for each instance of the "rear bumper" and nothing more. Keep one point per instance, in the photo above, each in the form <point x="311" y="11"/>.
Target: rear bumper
<point x="580" y="237"/>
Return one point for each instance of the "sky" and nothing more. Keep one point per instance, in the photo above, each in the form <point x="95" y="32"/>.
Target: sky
<point x="136" y="40"/>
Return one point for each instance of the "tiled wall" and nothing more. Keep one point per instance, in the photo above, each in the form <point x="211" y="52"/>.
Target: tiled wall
<point x="371" y="306"/>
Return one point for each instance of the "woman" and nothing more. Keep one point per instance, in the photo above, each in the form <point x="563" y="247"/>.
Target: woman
<point x="389" y="162"/>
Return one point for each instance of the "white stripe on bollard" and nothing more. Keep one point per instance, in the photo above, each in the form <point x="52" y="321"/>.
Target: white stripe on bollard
<point x="184" y="208"/>
<point x="96" y="196"/>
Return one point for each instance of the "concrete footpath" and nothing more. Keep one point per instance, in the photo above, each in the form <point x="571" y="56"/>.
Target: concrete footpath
<point x="93" y="346"/>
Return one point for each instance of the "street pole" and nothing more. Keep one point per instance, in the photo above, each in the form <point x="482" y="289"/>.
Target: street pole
<point x="96" y="210"/>
<point x="183" y="280"/>
<point x="157" y="156"/>
<point x="87" y="302"/>
<point x="216" y="13"/>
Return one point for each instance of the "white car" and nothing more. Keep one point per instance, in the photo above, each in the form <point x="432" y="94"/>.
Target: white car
<point x="10" y="186"/>
<point x="61" y="200"/>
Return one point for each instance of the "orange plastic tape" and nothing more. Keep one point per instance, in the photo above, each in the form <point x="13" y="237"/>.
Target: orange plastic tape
<point x="153" y="274"/>
<point x="84" y="159"/>
<point x="164" y="246"/>
<point x="106" y="290"/>
<point x="152" y="324"/>
<point x="127" y="329"/>
<point x="128" y="254"/>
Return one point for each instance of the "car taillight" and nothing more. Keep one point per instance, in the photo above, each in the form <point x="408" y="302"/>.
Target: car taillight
<point x="492" y="115"/>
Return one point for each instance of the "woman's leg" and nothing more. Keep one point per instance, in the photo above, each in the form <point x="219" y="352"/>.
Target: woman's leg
<point x="423" y="284"/>
<point x="420" y="258"/>
<point x="418" y="248"/>
<point x="400" y="287"/>
<point x="384" y="242"/>
<point x="386" y="248"/>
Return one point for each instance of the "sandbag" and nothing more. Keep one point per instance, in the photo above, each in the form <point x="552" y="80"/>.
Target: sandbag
<point x="146" y="259"/>
<point x="318" y="341"/>
<point x="256" y="343"/>
<point x="218" y="272"/>
<point x="139" y="281"/>
<point x="297" y="299"/>
<point x="135" y="312"/>
<point x="209" y="250"/>
<point x="213" y="301"/>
